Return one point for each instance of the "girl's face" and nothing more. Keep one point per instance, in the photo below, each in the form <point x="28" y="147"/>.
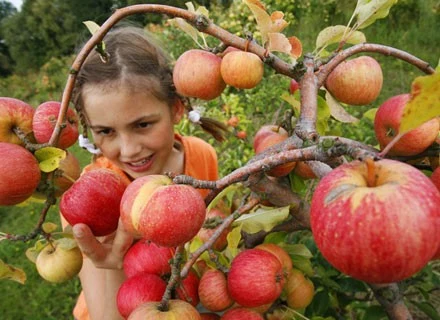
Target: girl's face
<point x="134" y="130"/>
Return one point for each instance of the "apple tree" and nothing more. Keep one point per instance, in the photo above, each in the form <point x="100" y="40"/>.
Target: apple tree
<point x="313" y="226"/>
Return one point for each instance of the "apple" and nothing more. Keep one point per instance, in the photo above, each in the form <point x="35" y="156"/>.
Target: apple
<point x="303" y="170"/>
<point x="241" y="69"/>
<point x="19" y="174"/>
<point x="240" y="313"/>
<point x="293" y="86"/>
<point x="206" y="233"/>
<point x="177" y="309"/>
<point x="45" y="119"/>
<point x="255" y="278"/>
<point x="14" y="113"/>
<point x="280" y="253"/>
<point x="146" y="256"/>
<point x="138" y="289"/>
<point x="387" y="123"/>
<point x="209" y="316"/>
<point x="197" y="74"/>
<point x="268" y="136"/>
<point x="435" y="178"/>
<point x="357" y="81"/>
<point x="228" y="50"/>
<point x="57" y="264"/>
<point x="165" y="213"/>
<point x="94" y="200"/>
<point x="213" y="291"/>
<point x="241" y="134"/>
<point x="376" y="221"/>
<point x="299" y="290"/>
<point x="188" y="288"/>
<point x="233" y="121"/>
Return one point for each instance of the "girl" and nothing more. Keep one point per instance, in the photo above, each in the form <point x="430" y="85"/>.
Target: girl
<point x="128" y="101"/>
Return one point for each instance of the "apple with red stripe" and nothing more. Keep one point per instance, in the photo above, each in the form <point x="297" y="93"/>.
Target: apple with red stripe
<point x="14" y="113"/>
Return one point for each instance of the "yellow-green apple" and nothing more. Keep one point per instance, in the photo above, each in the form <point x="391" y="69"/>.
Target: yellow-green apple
<point x="45" y="119"/>
<point x="293" y="86"/>
<point x="376" y="221"/>
<point x="146" y="256"/>
<point x="240" y="313"/>
<point x="356" y="82"/>
<point x="241" y="69"/>
<point x="243" y="285"/>
<point x="206" y="233"/>
<point x="435" y="177"/>
<point x="386" y="127"/>
<point x="57" y="264"/>
<point x="14" y="113"/>
<point x="94" y="200"/>
<point x="188" y="288"/>
<point x="19" y="174"/>
<point x="197" y="74"/>
<point x="299" y="290"/>
<point x="140" y="288"/>
<point x="165" y="213"/>
<point x="177" y="309"/>
<point x="213" y="291"/>
<point x="280" y="253"/>
<point x="268" y="136"/>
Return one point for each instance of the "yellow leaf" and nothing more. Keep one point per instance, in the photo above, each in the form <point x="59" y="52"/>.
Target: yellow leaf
<point x="263" y="19"/>
<point x="49" y="158"/>
<point x="66" y="243"/>
<point x="278" y="42"/>
<point x="278" y="23"/>
<point x="334" y="34"/>
<point x="49" y="227"/>
<point x="92" y="26"/>
<point x="185" y="27"/>
<point x="32" y="254"/>
<point x="293" y="101"/>
<point x="424" y="103"/>
<point x="264" y="218"/>
<point x="233" y="238"/>
<point x="11" y="273"/>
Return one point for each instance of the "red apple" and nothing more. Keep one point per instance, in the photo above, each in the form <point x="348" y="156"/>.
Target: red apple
<point x="14" y="113"/>
<point x="268" y="136"/>
<point x="56" y="264"/>
<point x="206" y="233"/>
<point x="209" y="316"/>
<point x="387" y="123"/>
<point x="213" y="291"/>
<point x="240" y="314"/>
<point x="357" y="81"/>
<point x="19" y="174"/>
<point x="435" y="178"/>
<point x="138" y="289"/>
<point x="146" y="256"/>
<point x="241" y="134"/>
<point x="280" y="253"/>
<point x="44" y="121"/>
<point x="377" y="222"/>
<point x="294" y="86"/>
<point x="94" y="200"/>
<point x="177" y="309"/>
<point x="188" y="289"/>
<point x="233" y="121"/>
<point x="241" y="69"/>
<point x="165" y="213"/>
<point x="197" y="74"/>
<point x="255" y="278"/>
<point x="299" y="290"/>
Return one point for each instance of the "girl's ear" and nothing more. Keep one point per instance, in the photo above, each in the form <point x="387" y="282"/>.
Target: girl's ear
<point x="178" y="110"/>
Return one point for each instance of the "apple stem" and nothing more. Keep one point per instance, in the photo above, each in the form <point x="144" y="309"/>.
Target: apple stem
<point x="371" y="172"/>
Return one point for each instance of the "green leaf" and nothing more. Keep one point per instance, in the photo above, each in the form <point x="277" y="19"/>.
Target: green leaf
<point x="368" y="11"/>
<point x="337" y="111"/>
<point x="428" y="309"/>
<point x="424" y="104"/>
<point x="335" y="34"/>
<point x="293" y="101"/>
<point x="320" y="302"/>
<point x="297" y="184"/>
<point x="264" y="218"/>
<point x="228" y="193"/>
<point x="49" y="158"/>
<point x="12" y="273"/>
<point x="195" y="244"/>
<point x="92" y="26"/>
<point x="323" y="116"/>
<point x="374" y="313"/>
<point x="370" y="114"/>
<point x="233" y="238"/>
<point x="276" y="237"/>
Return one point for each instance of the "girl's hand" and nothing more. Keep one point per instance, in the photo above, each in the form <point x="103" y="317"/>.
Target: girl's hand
<point x="105" y="252"/>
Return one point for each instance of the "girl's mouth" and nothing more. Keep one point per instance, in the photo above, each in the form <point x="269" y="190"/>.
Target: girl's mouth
<point x="141" y="165"/>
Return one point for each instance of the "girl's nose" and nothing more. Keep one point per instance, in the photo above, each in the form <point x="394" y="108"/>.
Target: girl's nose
<point x="129" y="147"/>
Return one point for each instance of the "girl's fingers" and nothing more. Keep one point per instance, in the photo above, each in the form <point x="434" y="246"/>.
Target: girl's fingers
<point x="88" y="244"/>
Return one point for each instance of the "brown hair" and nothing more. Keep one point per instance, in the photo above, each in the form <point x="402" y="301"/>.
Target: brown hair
<point x="134" y="60"/>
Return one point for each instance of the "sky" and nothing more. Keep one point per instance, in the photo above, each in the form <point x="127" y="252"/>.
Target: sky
<point x="16" y="3"/>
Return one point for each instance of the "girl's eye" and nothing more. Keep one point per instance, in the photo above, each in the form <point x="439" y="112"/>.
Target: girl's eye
<point x="104" y="132"/>
<point x="143" y="124"/>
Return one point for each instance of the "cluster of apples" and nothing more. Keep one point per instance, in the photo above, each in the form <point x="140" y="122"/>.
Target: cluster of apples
<point x="233" y="295"/>
<point x="204" y="75"/>
<point x="20" y="174"/>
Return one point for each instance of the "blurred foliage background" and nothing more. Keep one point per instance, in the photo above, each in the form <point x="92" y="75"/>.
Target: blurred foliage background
<point x="38" y="44"/>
